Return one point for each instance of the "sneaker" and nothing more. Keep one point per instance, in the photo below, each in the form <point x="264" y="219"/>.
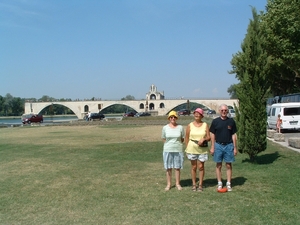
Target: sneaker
<point x="220" y="185"/>
<point x="228" y="185"/>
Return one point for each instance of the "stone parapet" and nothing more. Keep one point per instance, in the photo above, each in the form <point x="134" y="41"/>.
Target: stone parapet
<point x="279" y="137"/>
<point x="270" y="133"/>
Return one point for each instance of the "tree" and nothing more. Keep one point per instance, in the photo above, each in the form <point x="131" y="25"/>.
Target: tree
<point x="281" y="26"/>
<point x="128" y="97"/>
<point x="7" y="104"/>
<point x="252" y="69"/>
<point x="46" y="98"/>
<point x="2" y="100"/>
<point x="232" y="91"/>
<point x="17" y="106"/>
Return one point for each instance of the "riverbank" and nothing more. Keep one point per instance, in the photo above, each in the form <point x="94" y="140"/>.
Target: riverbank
<point x="47" y="116"/>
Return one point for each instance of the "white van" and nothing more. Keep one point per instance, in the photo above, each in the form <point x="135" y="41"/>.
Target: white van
<point x="231" y="113"/>
<point x="289" y="114"/>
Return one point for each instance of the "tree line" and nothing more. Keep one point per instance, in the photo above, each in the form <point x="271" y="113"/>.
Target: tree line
<point x="267" y="65"/>
<point x="14" y="106"/>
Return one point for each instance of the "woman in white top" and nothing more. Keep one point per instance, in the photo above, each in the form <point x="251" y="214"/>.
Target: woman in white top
<point x="173" y="137"/>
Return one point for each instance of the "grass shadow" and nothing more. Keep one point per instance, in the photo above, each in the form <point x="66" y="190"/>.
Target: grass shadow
<point x="264" y="159"/>
<point x="236" y="181"/>
<point x="186" y="182"/>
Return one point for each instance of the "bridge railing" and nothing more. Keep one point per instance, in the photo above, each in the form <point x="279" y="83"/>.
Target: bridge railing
<point x="99" y="99"/>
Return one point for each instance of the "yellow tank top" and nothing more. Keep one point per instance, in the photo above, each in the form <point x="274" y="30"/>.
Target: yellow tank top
<point x="196" y="133"/>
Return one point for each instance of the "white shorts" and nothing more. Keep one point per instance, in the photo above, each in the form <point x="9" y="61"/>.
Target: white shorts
<point x="200" y="157"/>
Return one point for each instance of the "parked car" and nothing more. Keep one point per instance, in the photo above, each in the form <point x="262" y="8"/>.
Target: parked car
<point x="95" y="116"/>
<point x="184" y="112"/>
<point x="32" y="118"/>
<point x="142" y="114"/>
<point x="211" y="111"/>
<point x="231" y="113"/>
<point x="129" y="114"/>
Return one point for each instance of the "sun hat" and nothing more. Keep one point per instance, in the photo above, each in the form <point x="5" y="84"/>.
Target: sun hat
<point x="198" y="110"/>
<point x="172" y="113"/>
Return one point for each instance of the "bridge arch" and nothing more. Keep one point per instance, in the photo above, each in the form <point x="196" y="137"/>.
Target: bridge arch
<point x="152" y="106"/>
<point x="128" y="105"/>
<point x="202" y="106"/>
<point x="48" y="104"/>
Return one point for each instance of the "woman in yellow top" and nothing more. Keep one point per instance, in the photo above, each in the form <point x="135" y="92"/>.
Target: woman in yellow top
<point x="196" y="138"/>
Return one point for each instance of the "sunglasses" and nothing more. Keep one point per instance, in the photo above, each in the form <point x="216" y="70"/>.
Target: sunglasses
<point x="173" y="117"/>
<point x="223" y="110"/>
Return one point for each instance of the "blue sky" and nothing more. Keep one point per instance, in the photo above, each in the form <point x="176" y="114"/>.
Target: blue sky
<point x="109" y="49"/>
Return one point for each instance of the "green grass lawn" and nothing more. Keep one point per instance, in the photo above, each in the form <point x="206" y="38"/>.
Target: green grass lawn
<point x="94" y="175"/>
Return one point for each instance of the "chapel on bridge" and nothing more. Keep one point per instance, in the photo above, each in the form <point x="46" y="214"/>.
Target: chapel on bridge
<point x="154" y="94"/>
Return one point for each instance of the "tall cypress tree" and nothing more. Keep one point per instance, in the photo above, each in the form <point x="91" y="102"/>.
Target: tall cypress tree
<point x="251" y="67"/>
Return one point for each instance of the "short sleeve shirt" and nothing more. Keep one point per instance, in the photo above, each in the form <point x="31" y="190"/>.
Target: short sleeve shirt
<point x="173" y="137"/>
<point x="223" y="129"/>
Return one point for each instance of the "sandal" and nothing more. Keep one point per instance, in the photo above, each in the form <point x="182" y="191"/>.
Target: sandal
<point x="179" y="188"/>
<point x="167" y="188"/>
<point x="200" y="188"/>
<point x="194" y="188"/>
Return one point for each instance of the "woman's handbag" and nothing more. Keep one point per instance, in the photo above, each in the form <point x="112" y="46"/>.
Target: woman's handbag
<point x="204" y="143"/>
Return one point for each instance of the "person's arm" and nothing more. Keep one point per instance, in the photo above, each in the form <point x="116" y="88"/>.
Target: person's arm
<point x="163" y="135"/>
<point x="187" y="135"/>
<point x="182" y="134"/>
<point x="234" y="140"/>
<point x="207" y="137"/>
<point x="212" y="139"/>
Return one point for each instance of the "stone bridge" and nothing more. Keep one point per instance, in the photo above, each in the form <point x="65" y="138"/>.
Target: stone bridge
<point x="154" y="106"/>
